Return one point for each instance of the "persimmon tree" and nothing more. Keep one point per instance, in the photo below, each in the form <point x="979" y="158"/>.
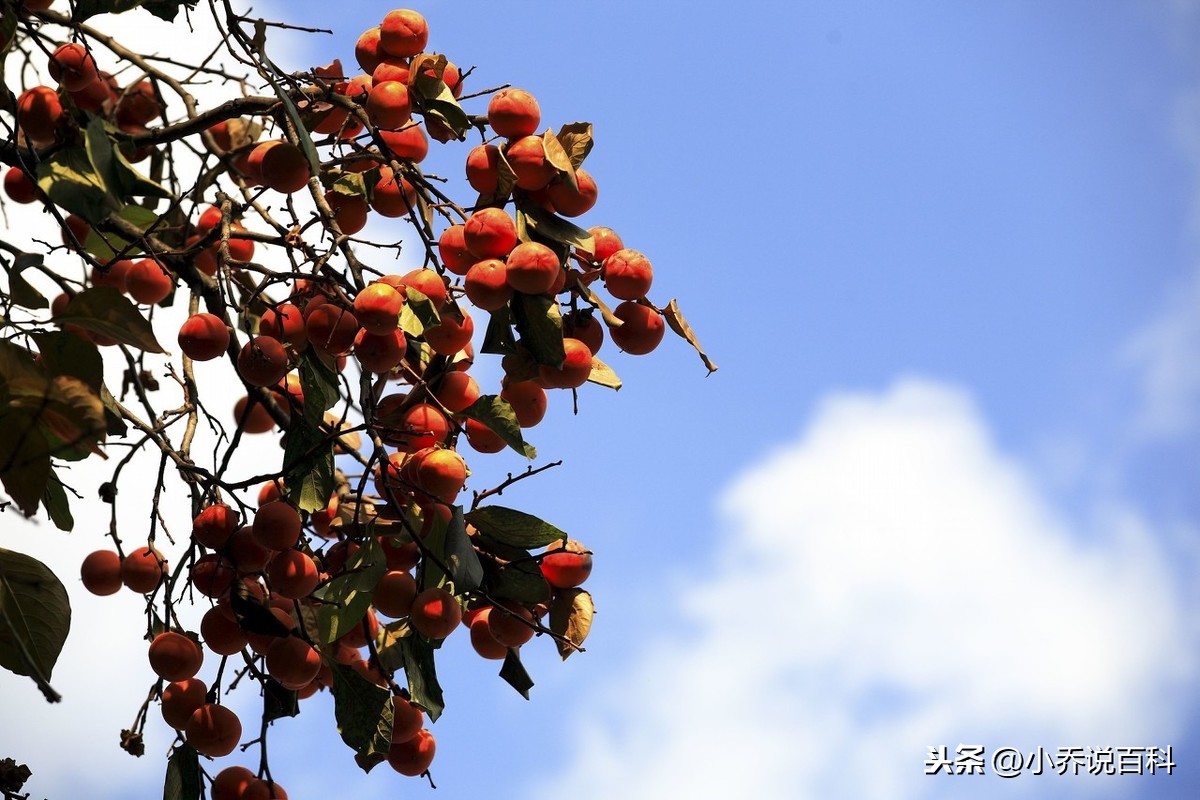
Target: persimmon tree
<point x="179" y="232"/>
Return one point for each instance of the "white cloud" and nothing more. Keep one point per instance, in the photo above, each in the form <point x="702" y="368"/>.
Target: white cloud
<point x="1166" y="353"/>
<point x="892" y="581"/>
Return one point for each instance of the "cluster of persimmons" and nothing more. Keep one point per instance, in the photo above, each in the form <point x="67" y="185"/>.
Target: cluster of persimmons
<point x="352" y="145"/>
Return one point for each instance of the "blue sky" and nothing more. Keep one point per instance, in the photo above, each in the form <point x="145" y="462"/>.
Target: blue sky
<point x="942" y="490"/>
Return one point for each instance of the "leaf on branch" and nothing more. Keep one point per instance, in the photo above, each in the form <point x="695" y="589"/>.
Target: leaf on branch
<point x="104" y="310"/>
<point x="555" y="228"/>
<point x="105" y="246"/>
<point x="558" y="158"/>
<point x="506" y="178"/>
<point x="364" y="716"/>
<point x="115" y="171"/>
<point x="320" y="386"/>
<point x="435" y="97"/>
<point x="279" y="702"/>
<point x="603" y="375"/>
<point x="19" y="289"/>
<point x="35" y="616"/>
<point x="68" y="412"/>
<point x="513" y="672"/>
<point x="163" y="9"/>
<point x="252" y="615"/>
<point x="519" y="580"/>
<point x="449" y="544"/>
<point x="497" y="414"/>
<point x="183" y="780"/>
<point x="571" y="618"/>
<point x="70" y="181"/>
<point x="514" y="527"/>
<point x="498" y="338"/>
<point x="24" y="460"/>
<point x="576" y="140"/>
<point x="610" y="319"/>
<point x="418" y="314"/>
<point x="67" y="354"/>
<point x="539" y="321"/>
<point x="308" y="465"/>
<point x="57" y="505"/>
<point x="423" y="687"/>
<point x="674" y="318"/>
<point x="345" y="598"/>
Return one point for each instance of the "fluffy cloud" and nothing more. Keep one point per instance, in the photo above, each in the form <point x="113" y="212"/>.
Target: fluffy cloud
<point x="893" y="581"/>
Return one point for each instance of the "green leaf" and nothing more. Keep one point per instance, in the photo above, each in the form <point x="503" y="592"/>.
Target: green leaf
<point x="352" y="184"/>
<point x="345" y="598"/>
<point x="68" y="179"/>
<point x="167" y="9"/>
<point x="418" y="314"/>
<point x="555" y="228"/>
<point x="497" y="414"/>
<point x="104" y="310"/>
<point x="308" y="465"/>
<point x="67" y="354"/>
<point x="19" y="289"/>
<point x="539" y="321"/>
<point x="57" y="506"/>
<point x="423" y="687"/>
<point x="513" y="671"/>
<point x="364" y="715"/>
<point x="320" y="386"/>
<point x="24" y="459"/>
<point x="449" y="543"/>
<point x="115" y="171"/>
<point x="279" y="702"/>
<point x="571" y="617"/>
<point x="603" y="375"/>
<point x="519" y="580"/>
<point x="183" y="775"/>
<point x="105" y="246"/>
<point x="514" y="527"/>
<point x="35" y="616"/>
<point x="435" y="97"/>
<point x="498" y="338"/>
<point x="576" y="140"/>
